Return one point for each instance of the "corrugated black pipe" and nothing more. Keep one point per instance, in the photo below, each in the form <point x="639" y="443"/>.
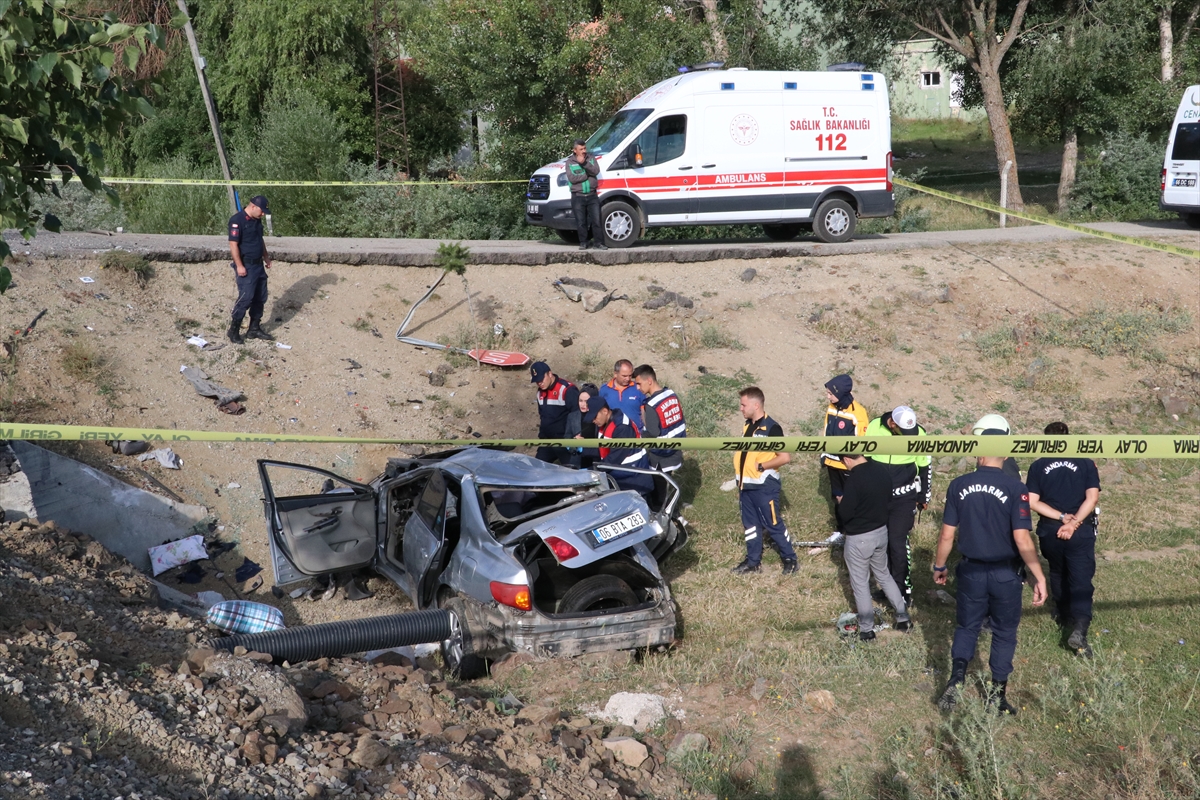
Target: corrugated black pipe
<point x="332" y="639"/>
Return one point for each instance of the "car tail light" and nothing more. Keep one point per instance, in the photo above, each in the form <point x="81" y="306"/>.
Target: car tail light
<point x="889" y="170"/>
<point x="563" y="551"/>
<point x="1162" y="186"/>
<point x="515" y="595"/>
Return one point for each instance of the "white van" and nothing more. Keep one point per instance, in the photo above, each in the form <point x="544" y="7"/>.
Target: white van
<point x="791" y="151"/>
<point x="1181" y="169"/>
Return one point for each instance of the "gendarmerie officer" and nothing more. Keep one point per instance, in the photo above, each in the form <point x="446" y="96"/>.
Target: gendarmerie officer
<point x="559" y="414"/>
<point x="250" y="264"/>
<point x="1064" y="493"/>
<point x="990" y="511"/>
<point x="910" y="491"/>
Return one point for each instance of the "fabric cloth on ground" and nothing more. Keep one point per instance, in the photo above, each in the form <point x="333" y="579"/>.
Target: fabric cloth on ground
<point x="206" y="388"/>
<point x="247" y="570"/>
<point x="243" y="616"/>
<point x="165" y="456"/>
<point x="173" y="554"/>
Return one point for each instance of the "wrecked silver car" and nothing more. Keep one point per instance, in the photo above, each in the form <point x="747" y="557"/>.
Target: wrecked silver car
<point x="529" y="556"/>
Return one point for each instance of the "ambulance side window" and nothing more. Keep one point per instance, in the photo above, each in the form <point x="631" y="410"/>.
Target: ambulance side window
<point x="664" y="140"/>
<point x="1187" y="142"/>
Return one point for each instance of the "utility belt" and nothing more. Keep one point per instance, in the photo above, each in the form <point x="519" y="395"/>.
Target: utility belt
<point x="1016" y="564"/>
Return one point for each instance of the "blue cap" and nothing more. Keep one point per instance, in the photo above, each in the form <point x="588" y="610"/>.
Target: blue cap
<point x="595" y="405"/>
<point x="538" y="370"/>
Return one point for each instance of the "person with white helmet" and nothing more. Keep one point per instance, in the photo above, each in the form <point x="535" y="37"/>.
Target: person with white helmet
<point x="997" y="423"/>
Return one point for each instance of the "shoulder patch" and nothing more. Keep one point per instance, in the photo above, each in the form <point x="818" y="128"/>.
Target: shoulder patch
<point x="1025" y="497"/>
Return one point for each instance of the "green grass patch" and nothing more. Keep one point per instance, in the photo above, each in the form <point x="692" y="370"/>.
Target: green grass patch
<point x="83" y="362"/>
<point x="131" y="263"/>
<point x="1101" y="331"/>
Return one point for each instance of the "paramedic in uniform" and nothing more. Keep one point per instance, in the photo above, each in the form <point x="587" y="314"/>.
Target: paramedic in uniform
<point x="250" y="264"/>
<point x="558" y="413"/>
<point x="664" y="417"/>
<point x="759" y="487"/>
<point x="614" y="424"/>
<point x="990" y="511"/>
<point x="910" y="491"/>
<point x="845" y="416"/>
<point x="1064" y="493"/>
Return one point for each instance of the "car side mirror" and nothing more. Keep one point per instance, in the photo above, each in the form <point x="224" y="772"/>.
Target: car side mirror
<point x="637" y="154"/>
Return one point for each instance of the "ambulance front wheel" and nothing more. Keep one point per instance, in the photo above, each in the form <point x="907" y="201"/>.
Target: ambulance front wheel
<point x="834" y="222"/>
<point x="622" y="223"/>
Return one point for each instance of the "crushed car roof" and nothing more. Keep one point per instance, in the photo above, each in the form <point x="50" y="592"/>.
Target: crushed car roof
<point x="500" y="468"/>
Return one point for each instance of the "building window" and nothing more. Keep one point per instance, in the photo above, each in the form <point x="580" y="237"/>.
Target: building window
<point x="931" y="80"/>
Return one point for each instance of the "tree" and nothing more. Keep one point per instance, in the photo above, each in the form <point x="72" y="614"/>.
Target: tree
<point x="981" y="32"/>
<point x="1174" y="16"/>
<point x="543" y="72"/>
<point x="58" y="96"/>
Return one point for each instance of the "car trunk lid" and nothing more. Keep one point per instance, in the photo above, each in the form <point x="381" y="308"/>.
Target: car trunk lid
<point x="595" y="528"/>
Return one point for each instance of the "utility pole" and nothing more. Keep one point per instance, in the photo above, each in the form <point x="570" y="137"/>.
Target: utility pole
<point x="198" y="60"/>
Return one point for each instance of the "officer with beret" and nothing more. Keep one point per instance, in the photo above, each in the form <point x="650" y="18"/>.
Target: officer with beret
<point x="613" y="423"/>
<point x="1064" y="493"/>
<point x="250" y="264"/>
<point x="990" y="512"/>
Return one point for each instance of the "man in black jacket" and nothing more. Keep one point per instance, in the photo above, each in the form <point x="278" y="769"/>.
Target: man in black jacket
<point x="863" y="516"/>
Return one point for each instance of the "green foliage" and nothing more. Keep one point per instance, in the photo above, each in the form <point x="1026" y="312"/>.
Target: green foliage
<point x="713" y="401"/>
<point x="58" y="95"/>
<point x="1105" y="332"/>
<point x="273" y="51"/>
<point x="132" y="263"/>
<point x="5" y="279"/>
<point x="548" y="72"/>
<point x="180" y="125"/>
<point x="1121" y="177"/>
<point x="177" y="209"/>
<point x="452" y="257"/>
<point x="300" y="138"/>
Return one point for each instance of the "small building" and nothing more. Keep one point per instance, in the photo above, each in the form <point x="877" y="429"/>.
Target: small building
<point x="923" y="86"/>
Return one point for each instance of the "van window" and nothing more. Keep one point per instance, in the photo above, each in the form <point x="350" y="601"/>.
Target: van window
<point x="1187" y="142"/>
<point x="613" y="132"/>
<point x="664" y="140"/>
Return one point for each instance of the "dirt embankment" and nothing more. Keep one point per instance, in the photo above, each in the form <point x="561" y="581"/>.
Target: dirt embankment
<point x="98" y="701"/>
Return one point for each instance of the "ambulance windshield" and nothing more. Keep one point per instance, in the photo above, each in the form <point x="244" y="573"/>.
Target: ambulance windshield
<point x="613" y="132"/>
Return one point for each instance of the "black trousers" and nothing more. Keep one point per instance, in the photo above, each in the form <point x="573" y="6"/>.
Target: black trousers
<point x="558" y="455"/>
<point x="1072" y="567"/>
<point x="252" y="293"/>
<point x="901" y="515"/>
<point x="586" y="208"/>
<point x="837" y="481"/>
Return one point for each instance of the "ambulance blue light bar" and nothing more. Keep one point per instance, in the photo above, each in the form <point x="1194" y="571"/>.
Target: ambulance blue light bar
<point x="868" y="82"/>
<point x="726" y="87"/>
<point x="789" y="85"/>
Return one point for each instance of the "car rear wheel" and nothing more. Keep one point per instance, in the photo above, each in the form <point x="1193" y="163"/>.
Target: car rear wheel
<point x="597" y="593"/>
<point x="459" y="663"/>
<point x="622" y="223"/>
<point x="835" y="221"/>
<point x="784" y="232"/>
<point x="570" y="237"/>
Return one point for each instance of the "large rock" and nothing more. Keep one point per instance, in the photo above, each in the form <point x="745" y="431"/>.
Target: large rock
<point x="685" y="744"/>
<point x="271" y="689"/>
<point x="639" y="711"/>
<point x="369" y="752"/>
<point x="594" y="300"/>
<point x="627" y="750"/>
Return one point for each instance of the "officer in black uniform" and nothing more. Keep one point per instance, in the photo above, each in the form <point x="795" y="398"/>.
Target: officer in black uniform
<point x="990" y="511"/>
<point x="1064" y="493"/>
<point x="250" y="264"/>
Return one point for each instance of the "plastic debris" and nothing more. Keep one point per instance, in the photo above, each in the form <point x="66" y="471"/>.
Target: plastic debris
<point x="86" y="279"/>
<point x="196" y="340"/>
<point x="165" y="456"/>
<point x="283" y="346"/>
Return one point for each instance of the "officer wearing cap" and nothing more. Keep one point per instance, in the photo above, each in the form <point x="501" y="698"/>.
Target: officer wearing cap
<point x="1064" y="493"/>
<point x="990" y="512"/>
<point x="615" y="424"/>
<point x="910" y="491"/>
<point x="250" y="264"/>
<point x="558" y="413"/>
<point x="759" y="487"/>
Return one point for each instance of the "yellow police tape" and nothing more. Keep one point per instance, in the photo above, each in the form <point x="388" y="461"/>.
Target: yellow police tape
<point x="221" y="182"/>
<point x="1117" y="446"/>
<point x="986" y="206"/>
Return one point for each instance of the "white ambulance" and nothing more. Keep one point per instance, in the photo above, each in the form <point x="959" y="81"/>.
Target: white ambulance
<point x="791" y="151"/>
<point x="1181" y="169"/>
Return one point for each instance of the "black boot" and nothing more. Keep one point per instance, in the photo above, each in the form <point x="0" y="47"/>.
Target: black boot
<point x="1078" y="642"/>
<point x="997" y="698"/>
<point x="256" y="332"/>
<point x="234" y="332"/>
<point x="958" y="676"/>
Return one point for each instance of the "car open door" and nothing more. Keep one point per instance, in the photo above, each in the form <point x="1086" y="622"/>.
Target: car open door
<point x="317" y="522"/>
<point x="425" y="537"/>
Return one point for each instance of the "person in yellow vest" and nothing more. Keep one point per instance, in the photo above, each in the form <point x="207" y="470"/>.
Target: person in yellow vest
<point x="845" y="416"/>
<point x="910" y="491"/>
<point x="757" y="475"/>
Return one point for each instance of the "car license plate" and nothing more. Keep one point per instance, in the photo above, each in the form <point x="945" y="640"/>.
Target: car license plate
<point x="532" y="208"/>
<point x="1183" y="182"/>
<point x="613" y="530"/>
